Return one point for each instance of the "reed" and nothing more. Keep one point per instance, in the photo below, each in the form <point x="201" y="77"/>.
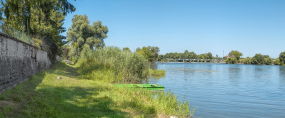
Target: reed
<point x="118" y="65"/>
<point x="156" y="72"/>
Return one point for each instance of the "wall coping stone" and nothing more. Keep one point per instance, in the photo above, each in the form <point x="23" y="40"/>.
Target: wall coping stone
<point x="18" y="40"/>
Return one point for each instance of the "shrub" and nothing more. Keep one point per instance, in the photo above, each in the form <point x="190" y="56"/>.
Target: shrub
<point x="258" y="59"/>
<point x="247" y="60"/>
<point x="241" y="60"/>
<point x="231" y="60"/>
<point x="282" y="58"/>
<point x="268" y="61"/>
<point x="277" y="62"/>
<point x="156" y="72"/>
<point x="120" y="65"/>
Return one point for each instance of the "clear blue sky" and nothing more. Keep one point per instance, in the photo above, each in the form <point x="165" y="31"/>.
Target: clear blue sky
<point x="249" y="26"/>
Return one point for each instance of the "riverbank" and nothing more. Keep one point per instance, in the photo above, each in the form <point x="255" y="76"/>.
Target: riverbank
<point x="44" y="95"/>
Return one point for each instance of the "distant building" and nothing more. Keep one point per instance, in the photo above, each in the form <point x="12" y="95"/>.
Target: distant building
<point x="233" y="56"/>
<point x="225" y="57"/>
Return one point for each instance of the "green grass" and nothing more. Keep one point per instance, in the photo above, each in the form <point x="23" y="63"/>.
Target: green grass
<point x="157" y="72"/>
<point x="43" y="95"/>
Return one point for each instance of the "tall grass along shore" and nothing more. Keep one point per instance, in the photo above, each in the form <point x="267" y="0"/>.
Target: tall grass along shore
<point x="87" y="90"/>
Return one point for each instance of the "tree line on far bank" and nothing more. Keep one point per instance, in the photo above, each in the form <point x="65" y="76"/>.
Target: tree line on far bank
<point x="234" y="58"/>
<point x="186" y="55"/>
<point x="149" y="52"/>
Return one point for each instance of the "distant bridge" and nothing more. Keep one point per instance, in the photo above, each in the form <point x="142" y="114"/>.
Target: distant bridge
<point x="197" y="60"/>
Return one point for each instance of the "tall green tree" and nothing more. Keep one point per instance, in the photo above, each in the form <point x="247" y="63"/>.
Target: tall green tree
<point x="22" y="10"/>
<point x="38" y="19"/>
<point x="236" y="53"/>
<point x="82" y="33"/>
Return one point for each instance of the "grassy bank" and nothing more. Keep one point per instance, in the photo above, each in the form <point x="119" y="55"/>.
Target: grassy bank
<point x="157" y="72"/>
<point x="43" y="95"/>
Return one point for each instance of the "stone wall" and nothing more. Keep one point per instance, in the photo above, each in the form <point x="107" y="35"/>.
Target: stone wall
<point x="18" y="61"/>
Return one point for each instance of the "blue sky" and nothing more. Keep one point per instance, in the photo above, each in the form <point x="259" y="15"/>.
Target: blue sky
<point x="249" y="26"/>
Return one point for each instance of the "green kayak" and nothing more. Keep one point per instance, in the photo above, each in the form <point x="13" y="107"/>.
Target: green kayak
<point x="146" y="86"/>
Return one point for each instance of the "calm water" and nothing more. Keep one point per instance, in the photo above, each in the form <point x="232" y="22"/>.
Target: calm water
<point x="225" y="90"/>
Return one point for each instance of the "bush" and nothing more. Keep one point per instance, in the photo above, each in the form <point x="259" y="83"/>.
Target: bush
<point x="282" y="58"/>
<point x="247" y="60"/>
<point x="268" y="61"/>
<point x="258" y="59"/>
<point x="156" y="72"/>
<point x="277" y="62"/>
<point x="231" y="60"/>
<point x="113" y="62"/>
<point x="241" y="60"/>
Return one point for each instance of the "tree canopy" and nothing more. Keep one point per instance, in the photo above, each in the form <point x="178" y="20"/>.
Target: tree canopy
<point x="236" y="54"/>
<point x="150" y="52"/>
<point x="282" y="58"/>
<point x="188" y="55"/>
<point x="39" y="19"/>
<point x="261" y="59"/>
<point x="82" y="33"/>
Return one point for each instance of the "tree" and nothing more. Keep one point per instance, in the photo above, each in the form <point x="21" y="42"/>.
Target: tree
<point x="150" y="52"/>
<point x="247" y="60"/>
<point x="231" y="60"/>
<point x="16" y="10"/>
<point x="282" y="58"/>
<point x="186" y="54"/>
<point x="209" y="55"/>
<point x="277" y="62"/>
<point x="258" y="59"/>
<point x="44" y="18"/>
<point x="236" y="53"/>
<point x="65" y="52"/>
<point x="192" y="55"/>
<point x="126" y="49"/>
<point x="160" y="57"/>
<point x="82" y="33"/>
<point x="268" y="61"/>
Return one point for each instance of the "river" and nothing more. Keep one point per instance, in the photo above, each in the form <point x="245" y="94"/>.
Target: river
<point x="227" y="90"/>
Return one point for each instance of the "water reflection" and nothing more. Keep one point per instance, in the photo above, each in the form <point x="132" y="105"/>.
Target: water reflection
<point x="154" y="79"/>
<point x="282" y="77"/>
<point x="234" y="75"/>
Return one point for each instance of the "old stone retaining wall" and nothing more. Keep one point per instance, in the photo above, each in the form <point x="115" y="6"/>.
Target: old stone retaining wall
<point x="18" y="61"/>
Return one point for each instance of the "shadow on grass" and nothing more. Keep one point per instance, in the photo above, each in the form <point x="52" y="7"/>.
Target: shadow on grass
<point x="34" y="99"/>
<point x="77" y="102"/>
<point x="63" y="69"/>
